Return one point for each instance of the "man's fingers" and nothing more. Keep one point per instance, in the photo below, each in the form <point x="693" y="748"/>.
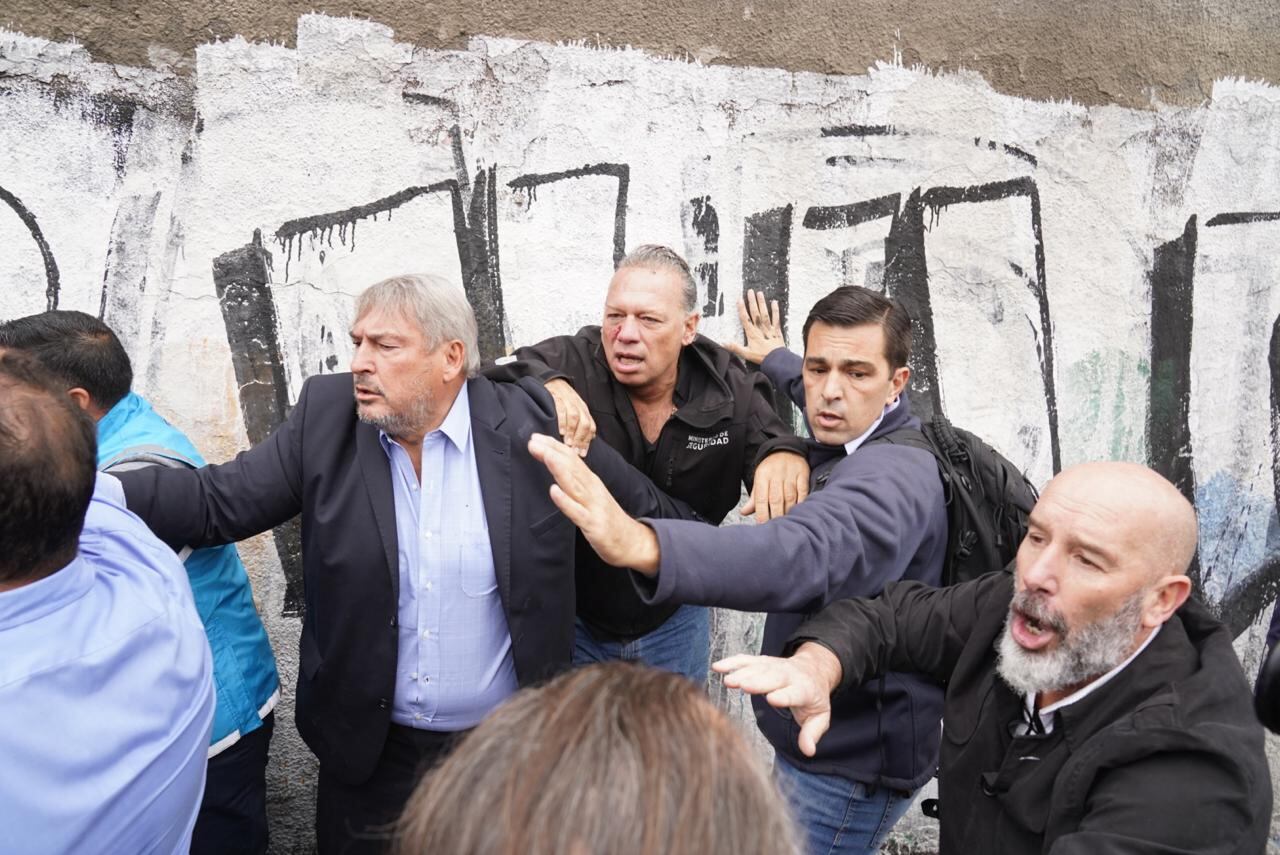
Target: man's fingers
<point x="761" y="316"/>
<point x="748" y="507"/>
<point x="733" y="663"/>
<point x="584" y="430"/>
<point x="743" y="315"/>
<point x="811" y="731"/>
<point x="735" y="348"/>
<point x="758" y="678"/>
<point x="775" y="316"/>
<point x="776" y="504"/>
<point x="789" y="496"/>
<point x="576" y="511"/>
<point x="791" y="694"/>
<point x="562" y="462"/>
<point x="802" y="487"/>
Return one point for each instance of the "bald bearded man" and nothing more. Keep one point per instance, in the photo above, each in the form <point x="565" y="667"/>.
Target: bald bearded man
<point x="1113" y="716"/>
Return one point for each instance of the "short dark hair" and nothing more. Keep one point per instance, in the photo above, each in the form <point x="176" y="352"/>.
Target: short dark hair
<point x="48" y="462"/>
<point x="613" y="757"/>
<point x="78" y="348"/>
<point x="853" y="306"/>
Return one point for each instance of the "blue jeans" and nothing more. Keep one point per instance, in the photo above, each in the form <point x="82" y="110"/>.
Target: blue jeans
<point x="839" y="815"/>
<point x="682" y="645"/>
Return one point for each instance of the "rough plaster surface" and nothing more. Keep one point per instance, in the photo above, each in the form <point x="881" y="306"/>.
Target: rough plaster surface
<point x="1093" y="282"/>
<point x="1130" y="52"/>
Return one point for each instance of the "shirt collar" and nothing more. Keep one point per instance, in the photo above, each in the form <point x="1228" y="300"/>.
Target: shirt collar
<point x="1089" y="688"/>
<point x="852" y="445"/>
<point x="34" y="601"/>
<point x="456" y="426"/>
<point x="118" y="415"/>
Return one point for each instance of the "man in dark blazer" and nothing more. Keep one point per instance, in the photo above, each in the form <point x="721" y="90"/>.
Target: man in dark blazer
<point x="438" y="572"/>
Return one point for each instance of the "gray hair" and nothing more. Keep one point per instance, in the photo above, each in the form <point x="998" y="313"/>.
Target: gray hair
<point x="658" y="257"/>
<point x="439" y="307"/>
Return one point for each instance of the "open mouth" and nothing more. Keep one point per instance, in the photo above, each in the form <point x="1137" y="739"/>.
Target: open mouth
<point x="828" y="420"/>
<point x="1032" y="632"/>
<point x="626" y="362"/>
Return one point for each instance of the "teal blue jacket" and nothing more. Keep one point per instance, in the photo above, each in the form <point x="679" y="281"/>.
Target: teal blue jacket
<point x="244" y="669"/>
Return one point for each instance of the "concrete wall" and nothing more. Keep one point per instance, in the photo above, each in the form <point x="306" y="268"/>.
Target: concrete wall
<point x="1093" y="280"/>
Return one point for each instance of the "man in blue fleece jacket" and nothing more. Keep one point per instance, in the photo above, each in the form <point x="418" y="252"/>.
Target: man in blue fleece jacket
<point x="875" y="515"/>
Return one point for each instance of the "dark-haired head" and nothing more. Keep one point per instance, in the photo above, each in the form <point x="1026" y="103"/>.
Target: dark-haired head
<point x="856" y="347"/>
<point x="82" y="351"/>
<point x="48" y="455"/>
<point x="613" y="758"/>
<point x="852" y="306"/>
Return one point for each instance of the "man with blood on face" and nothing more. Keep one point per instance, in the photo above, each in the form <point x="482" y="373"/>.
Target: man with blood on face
<point x="1114" y="716"/>
<point x="684" y="412"/>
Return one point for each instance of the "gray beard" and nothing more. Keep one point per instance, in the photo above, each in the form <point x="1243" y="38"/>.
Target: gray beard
<point x="402" y="423"/>
<point x="1079" y="656"/>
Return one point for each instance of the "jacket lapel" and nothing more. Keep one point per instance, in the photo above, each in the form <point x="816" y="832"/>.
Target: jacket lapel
<point x="493" y="464"/>
<point x="376" y="469"/>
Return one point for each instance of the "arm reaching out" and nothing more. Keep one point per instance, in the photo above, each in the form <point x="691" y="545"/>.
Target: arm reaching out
<point x="802" y="682"/>
<point x="586" y="501"/>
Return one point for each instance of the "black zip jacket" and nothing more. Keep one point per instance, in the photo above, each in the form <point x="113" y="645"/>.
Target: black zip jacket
<point x="725" y="423"/>
<point x="1167" y="757"/>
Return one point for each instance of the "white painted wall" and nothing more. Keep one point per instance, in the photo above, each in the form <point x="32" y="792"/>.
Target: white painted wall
<point x="264" y="135"/>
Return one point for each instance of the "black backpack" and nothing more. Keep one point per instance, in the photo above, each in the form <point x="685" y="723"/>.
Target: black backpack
<point x="988" y="498"/>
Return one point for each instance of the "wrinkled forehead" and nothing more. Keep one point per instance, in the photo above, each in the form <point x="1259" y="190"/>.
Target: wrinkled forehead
<point x="646" y="288"/>
<point x="378" y="321"/>
<point x="1103" y="510"/>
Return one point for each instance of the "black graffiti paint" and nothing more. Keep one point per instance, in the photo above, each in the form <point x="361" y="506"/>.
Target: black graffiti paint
<point x="856" y="213"/>
<point x="476" y="230"/>
<point x="242" y="280"/>
<point x="1168" y="429"/>
<point x="109" y="110"/>
<point x="430" y="100"/>
<point x="52" y="284"/>
<point x="938" y="198"/>
<point x="766" y="253"/>
<point x="1242" y="217"/>
<point x="1011" y="150"/>
<point x="906" y="279"/>
<point x="860" y="131"/>
<point x="704" y="260"/>
<point x="322" y="227"/>
<point x="620" y="171"/>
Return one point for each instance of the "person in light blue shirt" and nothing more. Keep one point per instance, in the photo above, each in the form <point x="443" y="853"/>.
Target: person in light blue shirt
<point x="106" y="679"/>
<point x="85" y="354"/>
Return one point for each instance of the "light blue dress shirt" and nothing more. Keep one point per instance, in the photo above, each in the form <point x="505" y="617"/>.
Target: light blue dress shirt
<point x="106" y="697"/>
<point x="454" y="662"/>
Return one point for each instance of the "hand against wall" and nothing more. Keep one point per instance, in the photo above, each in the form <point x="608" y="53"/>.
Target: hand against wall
<point x="575" y="422"/>
<point x="761" y="325"/>
<point x="802" y="682"/>
<point x="781" y="483"/>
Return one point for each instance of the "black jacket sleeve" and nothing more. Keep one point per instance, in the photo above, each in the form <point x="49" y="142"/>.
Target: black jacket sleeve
<point x="214" y="505"/>
<point x="632" y="488"/>
<point x="766" y="432"/>
<point x="910" y="627"/>
<point x="547" y="360"/>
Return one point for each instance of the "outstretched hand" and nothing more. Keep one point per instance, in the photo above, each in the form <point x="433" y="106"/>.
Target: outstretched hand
<point x="802" y="682"/>
<point x="586" y="501"/>
<point x="762" y="326"/>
